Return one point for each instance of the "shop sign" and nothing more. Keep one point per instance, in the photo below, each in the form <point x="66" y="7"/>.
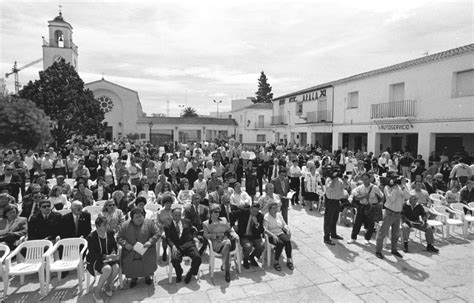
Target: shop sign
<point x="314" y="95"/>
<point x="403" y="126"/>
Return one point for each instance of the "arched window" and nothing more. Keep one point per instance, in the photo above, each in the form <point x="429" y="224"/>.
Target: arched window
<point x="59" y="38"/>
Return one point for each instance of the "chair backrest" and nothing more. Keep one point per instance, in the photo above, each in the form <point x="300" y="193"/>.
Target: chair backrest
<point x="441" y="209"/>
<point x="458" y="207"/>
<point x="100" y="203"/>
<point x="470" y="204"/>
<point x="153" y="207"/>
<point x="6" y="250"/>
<point x="52" y="182"/>
<point x="93" y="210"/>
<point x="70" y="182"/>
<point x="64" y="211"/>
<point x="72" y="248"/>
<point x="35" y="250"/>
<point x="437" y="199"/>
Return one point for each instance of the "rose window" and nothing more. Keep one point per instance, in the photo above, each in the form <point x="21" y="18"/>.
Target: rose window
<point x="106" y="104"/>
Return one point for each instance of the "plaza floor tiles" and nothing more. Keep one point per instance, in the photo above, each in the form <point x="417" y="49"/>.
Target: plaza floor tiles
<point x="341" y="273"/>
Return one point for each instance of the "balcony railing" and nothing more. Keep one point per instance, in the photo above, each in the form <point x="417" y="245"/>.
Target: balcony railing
<point x="396" y="109"/>
<point x="262" y="124"/>
<point x="278" y="120"/>
<point x="319" y="116"/>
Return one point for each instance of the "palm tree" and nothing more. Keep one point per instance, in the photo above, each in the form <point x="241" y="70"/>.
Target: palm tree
<point x="189" y="112"/>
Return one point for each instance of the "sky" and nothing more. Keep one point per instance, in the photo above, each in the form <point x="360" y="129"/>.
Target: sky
<point x="193" y="52"/>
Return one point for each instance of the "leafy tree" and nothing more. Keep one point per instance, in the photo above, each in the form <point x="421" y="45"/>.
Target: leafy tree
<point x="60" y="93"/>
<point x="22" y="124"/>
<point x="264" y="93"/>
<point x="189" y="112"/>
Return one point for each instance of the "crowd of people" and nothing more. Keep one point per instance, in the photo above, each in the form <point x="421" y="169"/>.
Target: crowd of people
<point x="215" y="196"/>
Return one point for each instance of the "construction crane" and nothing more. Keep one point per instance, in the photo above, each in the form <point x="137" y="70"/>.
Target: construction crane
<point x="15" y="71"/>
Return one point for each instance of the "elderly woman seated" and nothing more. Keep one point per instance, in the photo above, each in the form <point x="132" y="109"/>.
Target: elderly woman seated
<point x="102" y="257"/>
<point x="279" y="234"/>
<point x="222" y="236"/>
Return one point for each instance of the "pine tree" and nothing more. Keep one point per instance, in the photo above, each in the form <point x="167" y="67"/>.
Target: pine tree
<point x="264" y="93"/>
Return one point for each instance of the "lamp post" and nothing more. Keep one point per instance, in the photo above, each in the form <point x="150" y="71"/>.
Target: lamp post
<point x="181" y="110"/>
<point x="217" y="103"/>
<point x="150" y="125"/>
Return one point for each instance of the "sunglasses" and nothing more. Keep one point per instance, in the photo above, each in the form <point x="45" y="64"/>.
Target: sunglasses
<point x="111" y="205"/>
<point x="45" y="206"/>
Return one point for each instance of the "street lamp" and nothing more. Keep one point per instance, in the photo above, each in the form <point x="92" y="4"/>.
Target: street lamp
<point x="181" y="111"/>
<point x="217" y="103"/>
<point x="150" y="125"/>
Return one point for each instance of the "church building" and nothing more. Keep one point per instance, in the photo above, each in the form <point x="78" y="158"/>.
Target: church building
<point x="123" y="111"/>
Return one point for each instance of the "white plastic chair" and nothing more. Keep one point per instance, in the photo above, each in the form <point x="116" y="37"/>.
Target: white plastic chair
<point x="33" y="263"/>
<point x="120" y="278"/>
<point x="471" y="206"/>
<point x="468" y="219"/>
<point x="443" y="213"/>
<point x="72" y="259"/>
<point x="268" y="248"/>
<point x="94" y="211"/>
<point x="438" y="199"/>
<point x="6" y="250"/>
<point x="235" y="255"/>
<point x="70" y="182"/>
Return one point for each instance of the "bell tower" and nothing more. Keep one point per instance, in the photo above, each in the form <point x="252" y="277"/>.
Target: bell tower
<point x="59" y="45"/>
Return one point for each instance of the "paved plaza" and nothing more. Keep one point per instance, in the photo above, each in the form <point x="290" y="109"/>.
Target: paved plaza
<point x="340" y="273"/>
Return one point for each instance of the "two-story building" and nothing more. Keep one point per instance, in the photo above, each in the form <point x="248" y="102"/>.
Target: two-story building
<point x="421" y="105"/>
<point x="305" y="117"/>
<point x="254" y="123"/>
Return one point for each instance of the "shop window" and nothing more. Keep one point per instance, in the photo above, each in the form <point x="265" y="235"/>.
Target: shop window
<point x="353" y="100"/>
<point x="463" y="83"/>
<point x="261" y="138"/>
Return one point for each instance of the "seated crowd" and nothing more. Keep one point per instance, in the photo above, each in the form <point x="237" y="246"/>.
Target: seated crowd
<point x="194" y="197"/>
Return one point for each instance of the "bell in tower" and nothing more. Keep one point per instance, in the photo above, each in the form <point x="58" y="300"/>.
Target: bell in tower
<point x="59" y="45"/>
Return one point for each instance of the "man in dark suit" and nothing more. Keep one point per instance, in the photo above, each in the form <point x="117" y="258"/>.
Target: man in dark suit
<point x="45" y="224"/>
<point x="76" y="223"/>
<point x="282" y="187"/>
<point x="180" y="237"/>
<point x="30" y="204"/>
<point x="250" y="231"/>
<point x="197" y="213"/>
<point x="274" y="169"/>
<point x="227" y="209"/>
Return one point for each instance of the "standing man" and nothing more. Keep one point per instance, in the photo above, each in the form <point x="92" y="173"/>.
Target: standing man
<point x="334" y="195"/>
<point x="179" y="235"/>
<point x="281" y="187"/>
<point x="396" y="195"/>
<point x="405" y="164"/>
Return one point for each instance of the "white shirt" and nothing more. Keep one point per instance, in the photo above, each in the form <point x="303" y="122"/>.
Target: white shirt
<point x="240" y="200"/>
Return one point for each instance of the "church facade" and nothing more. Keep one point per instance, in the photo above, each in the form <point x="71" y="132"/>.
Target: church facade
<point x="124" y="115"/>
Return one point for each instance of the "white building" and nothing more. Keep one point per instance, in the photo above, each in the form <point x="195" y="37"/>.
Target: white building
<point x="123" y="110"/>
<point x="254" y="123"/>
<point x="422" y="105"/>
<point x="304" y="117"/>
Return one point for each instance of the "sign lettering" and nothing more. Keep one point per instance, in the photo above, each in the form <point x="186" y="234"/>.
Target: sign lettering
<point x="395" y="126"/>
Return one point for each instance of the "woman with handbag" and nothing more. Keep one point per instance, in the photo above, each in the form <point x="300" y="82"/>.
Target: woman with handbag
<point x="278" y="234"/>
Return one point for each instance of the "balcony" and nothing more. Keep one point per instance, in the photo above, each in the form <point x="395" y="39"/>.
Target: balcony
<point x="262" y="124"/>
<point x="279" y="120"/>
<point x="319" y="116"/>
<point x="396" y="109"/>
